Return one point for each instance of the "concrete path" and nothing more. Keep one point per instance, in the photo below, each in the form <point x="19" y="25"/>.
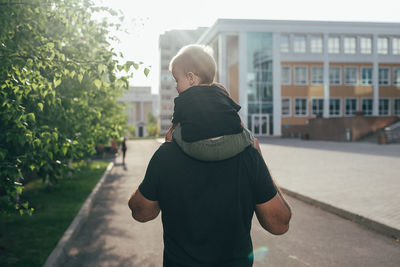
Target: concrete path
<point x="110" y="237"/>
<point x="361" y="178"/>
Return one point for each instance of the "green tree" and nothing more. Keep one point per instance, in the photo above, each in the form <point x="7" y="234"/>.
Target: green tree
<point x="58" y="89"/>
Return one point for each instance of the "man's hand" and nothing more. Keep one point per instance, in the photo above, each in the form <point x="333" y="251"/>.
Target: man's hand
<point x="143" y="210"/>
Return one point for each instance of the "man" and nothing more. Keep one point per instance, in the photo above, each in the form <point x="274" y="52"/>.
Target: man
<point x="207" y="206"/>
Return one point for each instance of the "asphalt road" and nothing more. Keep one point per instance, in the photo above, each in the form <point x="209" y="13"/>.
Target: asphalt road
<point x="110" y="237"/>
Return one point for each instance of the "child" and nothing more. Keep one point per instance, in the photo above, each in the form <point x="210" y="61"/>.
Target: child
<point x="206" y="124"/>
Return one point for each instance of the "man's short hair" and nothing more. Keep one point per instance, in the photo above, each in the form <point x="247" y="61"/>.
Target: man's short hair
<point x="197" y="59"/>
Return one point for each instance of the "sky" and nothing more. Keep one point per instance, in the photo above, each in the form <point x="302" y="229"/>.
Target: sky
<point x="145" y="20"/>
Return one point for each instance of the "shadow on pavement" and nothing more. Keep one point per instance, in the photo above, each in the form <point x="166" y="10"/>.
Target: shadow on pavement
<point x="99" y="240"/>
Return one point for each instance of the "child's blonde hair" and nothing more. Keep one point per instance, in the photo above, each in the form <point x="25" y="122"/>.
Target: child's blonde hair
<point x="197" y="59"/>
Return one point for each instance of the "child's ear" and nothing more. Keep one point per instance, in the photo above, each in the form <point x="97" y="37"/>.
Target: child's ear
<point x="191" y="78"/>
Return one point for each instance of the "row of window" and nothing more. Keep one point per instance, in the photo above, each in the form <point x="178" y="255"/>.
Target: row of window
<point x="351" y="105"/>
<point x="351" y="75"/>
<point x="339" y="44"/>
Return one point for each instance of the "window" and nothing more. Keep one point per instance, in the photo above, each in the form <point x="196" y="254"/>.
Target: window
<point x="316" y="44"/>
<point x="317" y="75"/>
<point x="285" y="75"/>
<point x="317" y="106"/>
<point x="383" y="46"/>
<point x="300" y="107"/>
<point x="384" y="76"/>
<point x="366" y="76"/>
<point x="299" y="44"/>
<point x="350" y="106"/>
<point x="396" y="76"/>
<point x="335" y="77"/>
<point x="284" y="43"/>
<point x="350" y="75"/>
<point x="367" y="104"/>
<point x="333" y="45"/>
<point x="335" y="107"/>
<point x="300" y="76"/>
<point x="396" y="106"/>
<point x="349" y="45"/>
<point x="384" y="107"/>
<point x="365" y="45"/>
<point x="286" y="107"/>
<point x="396" y="46"/>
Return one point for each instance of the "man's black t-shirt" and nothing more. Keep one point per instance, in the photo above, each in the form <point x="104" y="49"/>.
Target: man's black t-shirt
<point x="207" y="207"/>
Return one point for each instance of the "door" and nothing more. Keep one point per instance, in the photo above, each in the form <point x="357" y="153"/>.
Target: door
<point x="260" y="124"/>
<point x="140" y="131"/>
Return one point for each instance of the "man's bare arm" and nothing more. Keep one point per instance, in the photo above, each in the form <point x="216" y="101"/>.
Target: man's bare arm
<point x="275" y="214"/>
<point x="143" y="209"/>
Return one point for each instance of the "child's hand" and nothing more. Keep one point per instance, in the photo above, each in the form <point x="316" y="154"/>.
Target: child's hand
<point x="168" y="135"/>
<point x="257" y="146"/>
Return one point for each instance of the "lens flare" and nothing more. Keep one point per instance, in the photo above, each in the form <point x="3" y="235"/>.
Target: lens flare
<point x="259" y="254"/>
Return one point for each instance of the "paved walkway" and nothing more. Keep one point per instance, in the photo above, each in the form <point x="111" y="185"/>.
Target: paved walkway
<point x="110" y="237"/>
<point x="361" y="178"/>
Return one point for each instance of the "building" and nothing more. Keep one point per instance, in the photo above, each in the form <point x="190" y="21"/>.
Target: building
<point x="140" y="102"/>
<point x="284" y="73"/>
<point x="169" y="44"/>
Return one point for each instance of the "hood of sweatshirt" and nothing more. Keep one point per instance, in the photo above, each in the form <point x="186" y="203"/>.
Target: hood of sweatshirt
<point x="205" y="112"/>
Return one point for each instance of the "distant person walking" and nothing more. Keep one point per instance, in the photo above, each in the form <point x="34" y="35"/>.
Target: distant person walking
<point x="124" y="148"/>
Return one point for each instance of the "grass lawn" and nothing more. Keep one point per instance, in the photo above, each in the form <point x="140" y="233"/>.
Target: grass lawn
<point x="29" y="240"/>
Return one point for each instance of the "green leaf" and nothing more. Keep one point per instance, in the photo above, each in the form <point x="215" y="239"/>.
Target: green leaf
<point x="97" y="83"/>
<point x="64" y="150"/>
<point x="80" y="77"/>
<point x="146" y="71"/>
<point x="31" y="117"/>
<point x="56" y="82"/>
<point x="40" y="105"/>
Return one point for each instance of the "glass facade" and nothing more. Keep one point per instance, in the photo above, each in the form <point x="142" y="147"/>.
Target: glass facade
<point x="259" y="77"/>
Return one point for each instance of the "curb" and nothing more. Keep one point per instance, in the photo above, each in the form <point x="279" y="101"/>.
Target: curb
<point x="60" y="250"/>
<point x="369" y="223"/>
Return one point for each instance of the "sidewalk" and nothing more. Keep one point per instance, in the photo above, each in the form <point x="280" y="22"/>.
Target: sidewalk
<point x="361" y="179"/>
<point x="110" y="237"/>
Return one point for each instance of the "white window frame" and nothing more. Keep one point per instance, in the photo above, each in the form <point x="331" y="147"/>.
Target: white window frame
<point x="365" y="49"/>
<point x="312" y="104"/>
<point x="344" y="78"/>
<point x="345" y="109"/>
<point x="396" y="112"/>
<point x="388" y="78"/>
<point x="361" y="76"/>
<point x="340" y="75"/>
<point x="349" y="49"/>
<point x="322" y="80"/>
<point x="372" y="106"/>
<point x="316" y="44"/>
<point x="396" y="46"/>
<point x="294" y="112"/>
<point x="299" y="49"/>
<point x="294" y="74"/>
<point x="382" y="49"/>
<point x="394" y="82"/>
<point x="290" y="75"/>
<point x="388" y="110"/>
<point x="283" y="49"/>
<point x="290" y="107"/>
<point x="340" y="107"/>
<point x="332" y="48"/>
